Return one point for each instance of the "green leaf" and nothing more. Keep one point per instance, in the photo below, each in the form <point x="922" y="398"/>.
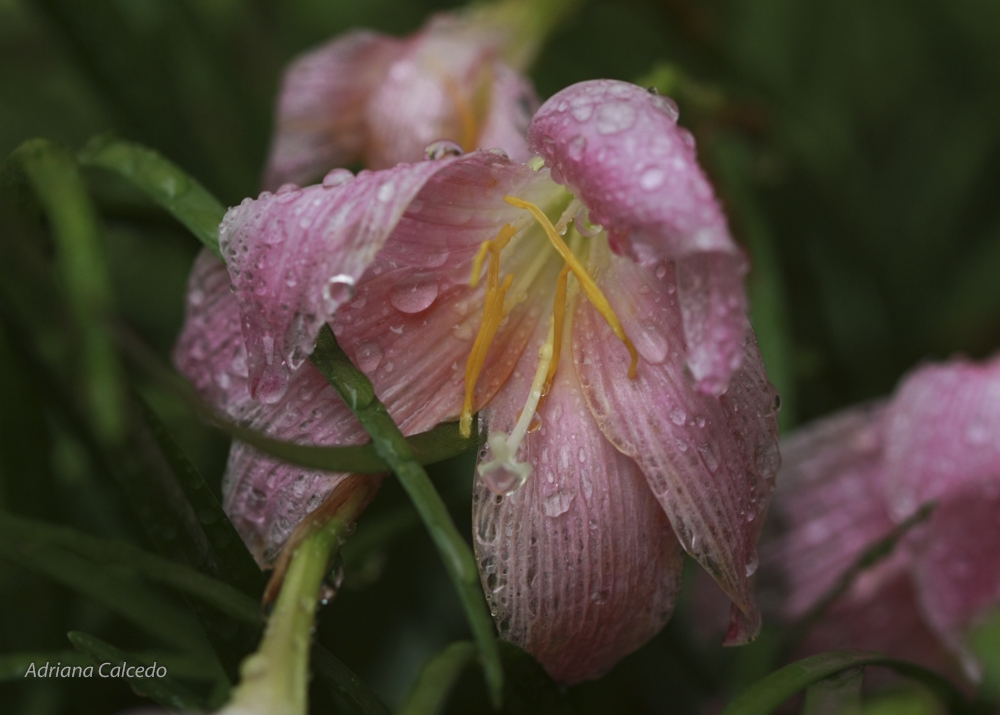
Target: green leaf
<point x="840" y="694"/>
<point x="767" y="694"/>
<point x="164" y="691"/>
<point x="160" y="179"/>
<point x="357" y="392"/>
<point x="340" y="680"/>
<point x="55" y="179"/>
<point x="529" y="690"/>
<point x="112" y="586"/>
<point x="28" y="534"/>
<point x="436" y="679"/>
<point x="235" y="560"/>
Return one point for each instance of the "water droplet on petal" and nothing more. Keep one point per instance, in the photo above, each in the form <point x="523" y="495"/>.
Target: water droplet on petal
<point x="661" y="272"/>
<point x="576" y="146"/>
<point x="338" y="289"/>
<point x="337" y="177"/>
<point x="386" y="192"/>
<point x="615" y="117"/>
<point x="414" y="296"/>
<point x="752" y="562"/>
<point x="667" y="106"/>
<point x="686" y="137"/>
<point x="557" y="503"/>
<point x="652" y="178"/>
<point x="677" y="416"/>
<point x="442" y="149"/>
<point x="286" y="189"/>
<point x="369" y="357"/>
<point x="581" y="111"/>
<point x="499" y="152"/>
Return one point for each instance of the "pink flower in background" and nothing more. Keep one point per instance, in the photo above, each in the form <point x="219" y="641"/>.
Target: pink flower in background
<point x="369" y="98"/>
<point x="849" y="479"/>
<point x="592" y="308"/>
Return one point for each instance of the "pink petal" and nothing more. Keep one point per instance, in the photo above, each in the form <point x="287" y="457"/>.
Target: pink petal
<point x="267" y="498"/>
<point x="710" y="461"/>
<point x="619" y="149"/>
<point x="880" y="613"/>
<point x="320" y="118"/>
<point x="580" y="565"/>
<point x="512" y="103"/>
<point x="450" y="69"/>
<point x="210" y="351"/>
<point x="828" y="507"/>
<point x="294" y="257"/>
<point x="956" y="563"/>
<point x="942" y="434"/>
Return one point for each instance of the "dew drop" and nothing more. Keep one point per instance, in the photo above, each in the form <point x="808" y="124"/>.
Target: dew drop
<point x="414" y="296"/>
<point x="752" y="562"/>
<point x="386" y="192"/>
<point x="557" y="503"/>
<point x="581" y="112"/>
<point x="497" y="151"/>
<point x="503" y="481"/>
<point x="652" y="178"/>
<point x="442" y="149"/>
<point x="661" y="272"/>
<point x="337" y="177"/>
<point x="583" y="224"/>
<point x="615" y="117"/>
<point x="667" y="106"/>
<point x="338" y="289"/>
<point x="677" y="416"/>
<point x="286" y="189"/>
<point x="576" y="147"/>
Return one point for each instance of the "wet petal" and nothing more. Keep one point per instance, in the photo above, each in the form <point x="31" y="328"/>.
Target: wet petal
<point x="580" y="565"/>
<point x="942" y="434"/>
<point x="320" y="121"/>
<point x="512" y="104"/>
<point x="714" y="308"/>
<point x="880" y="613"/>
<point x="444" y="87"/>
<point x="267" y="498"/>
<point x="710" y="461"/>
<point x="828" y="506"/>
<point x="619" y="149"/>
<point x="210" y="351"/>
<point x="294" y="257"/>
<point x="956" y="563"/>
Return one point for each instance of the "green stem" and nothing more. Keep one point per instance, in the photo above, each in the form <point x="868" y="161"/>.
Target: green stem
<point x="275" y="679"/>
<point x="357" y="391"/>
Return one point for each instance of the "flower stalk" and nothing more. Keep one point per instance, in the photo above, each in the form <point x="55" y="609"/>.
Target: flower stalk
<point x="276" y="677"/>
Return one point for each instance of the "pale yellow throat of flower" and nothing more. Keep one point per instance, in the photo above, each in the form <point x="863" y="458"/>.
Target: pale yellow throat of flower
<point x="505" y="447"/>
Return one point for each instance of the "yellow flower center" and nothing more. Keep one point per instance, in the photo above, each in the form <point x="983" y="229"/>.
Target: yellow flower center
<point x="505" y="447"/>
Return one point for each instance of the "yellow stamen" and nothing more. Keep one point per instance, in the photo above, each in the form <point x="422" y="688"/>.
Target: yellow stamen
<point x="493" y="314"/>
<point x="590" y="289"/>
<point x="558" y="321"/>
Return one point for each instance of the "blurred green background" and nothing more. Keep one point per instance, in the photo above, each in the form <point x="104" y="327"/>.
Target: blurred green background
<point x="855" y="143"/>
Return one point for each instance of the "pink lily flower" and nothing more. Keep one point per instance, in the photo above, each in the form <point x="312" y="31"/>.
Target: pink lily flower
<point x="849" y="479"/>
<point x="589" y="304"/>
<point x="380" y="100"/>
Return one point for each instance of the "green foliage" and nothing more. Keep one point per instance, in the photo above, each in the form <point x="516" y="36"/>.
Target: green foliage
<point x="855" y="145"/>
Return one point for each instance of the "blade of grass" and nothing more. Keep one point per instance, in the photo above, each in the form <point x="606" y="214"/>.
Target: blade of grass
<point x="235" y="560"/>
<point x="165" y="183"/>
<point x="840" y="694"/>
<point x="356" y="390"/>
<point x="111" y="586"/>
<point x="30" y="534"/>
<point x="164" y="690"/>
<point x="53" y="175"/>
<point x="341" y="680"/>
<point x="765" y="695"/>
<point x="436" y="679"/>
